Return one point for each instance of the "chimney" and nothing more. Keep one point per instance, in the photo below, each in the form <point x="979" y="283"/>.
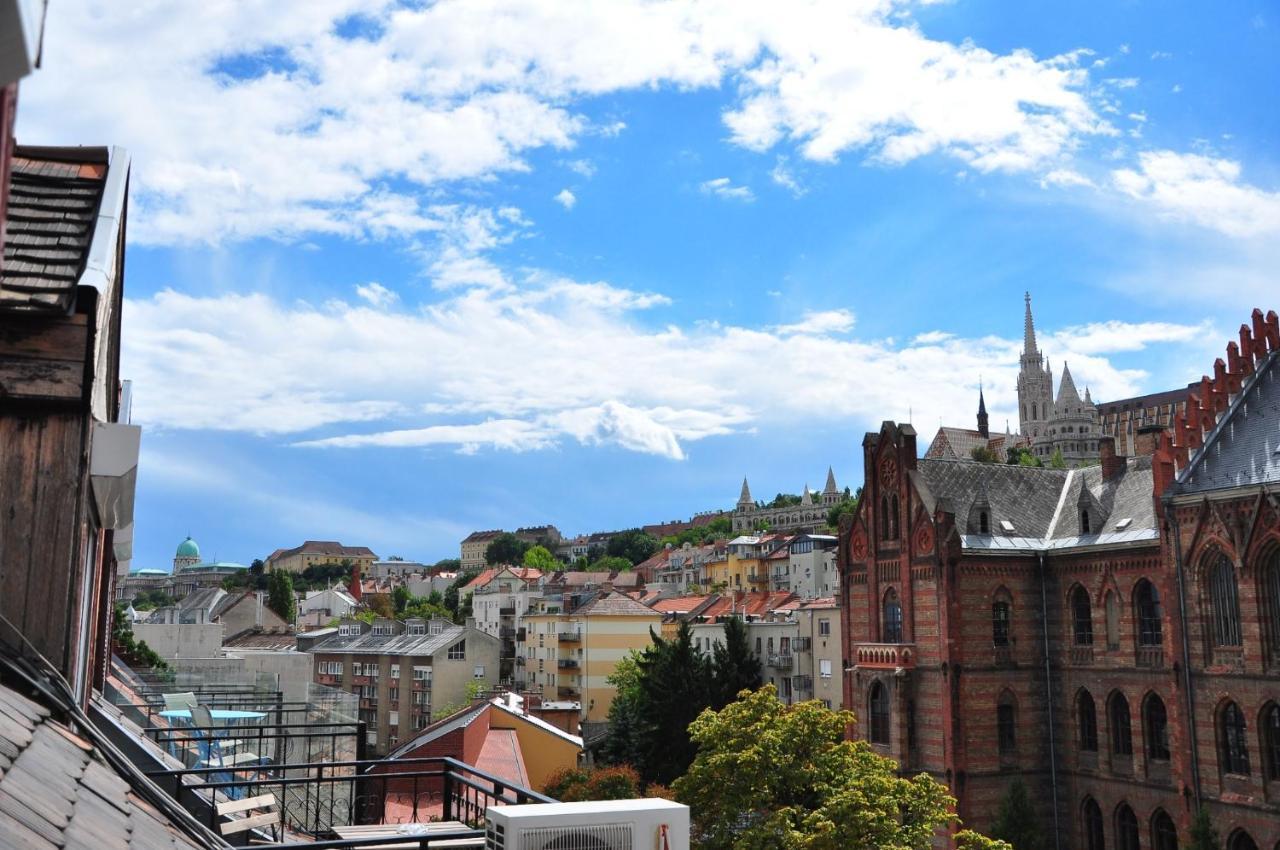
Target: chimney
<point x="1112" y="464"/>
<point x="1148" y="437"/>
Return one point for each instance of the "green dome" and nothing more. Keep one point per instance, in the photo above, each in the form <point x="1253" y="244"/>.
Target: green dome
<point x="188" y="549"/>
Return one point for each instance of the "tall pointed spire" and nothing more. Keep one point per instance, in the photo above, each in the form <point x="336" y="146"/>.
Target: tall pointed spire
<point x="830" y="489"/>
<point x="1028" y="332"/>
<point x="807" y="498"/>
<point x="745" y="498"/>
<point x="1067" y="390"/>
<point x="982" y="413"/>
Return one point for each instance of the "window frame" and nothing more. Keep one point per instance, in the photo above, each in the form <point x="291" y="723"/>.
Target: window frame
<point x="1081" y="617"/>
<point x="1120" y="725"/>
<point x="1233" y="731"/>
<point x="879" y="714"/>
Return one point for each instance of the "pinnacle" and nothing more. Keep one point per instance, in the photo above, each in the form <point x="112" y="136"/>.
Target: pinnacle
<point x="831" y="482"/>
<point x="1028" y="332"/>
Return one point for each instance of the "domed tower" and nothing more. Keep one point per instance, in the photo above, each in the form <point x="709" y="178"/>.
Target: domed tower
<point x="188" y="555"/>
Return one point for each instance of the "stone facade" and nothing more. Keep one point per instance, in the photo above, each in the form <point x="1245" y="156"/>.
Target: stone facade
<point x="1067" y="424"/>
<point x="809" y="515"/>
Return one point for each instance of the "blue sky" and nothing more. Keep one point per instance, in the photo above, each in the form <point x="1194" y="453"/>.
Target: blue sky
<point x="400" y="271"/>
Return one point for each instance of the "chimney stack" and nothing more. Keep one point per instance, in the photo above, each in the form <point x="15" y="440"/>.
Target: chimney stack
<point x="1146" y="440"/>
<point x="1112" y="464"/>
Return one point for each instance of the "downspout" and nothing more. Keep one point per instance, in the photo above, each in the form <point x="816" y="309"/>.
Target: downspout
<point x="1171" y="519"/>
<point x="1048" y="693"/>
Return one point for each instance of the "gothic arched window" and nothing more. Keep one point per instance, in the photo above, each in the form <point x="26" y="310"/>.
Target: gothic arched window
<point x="1081" y="616"/>
<point x="1091" y="821"/>
<point x="1224" y="602"/>
<point x="1270" y="575"/>
<point x="1000" y="617"/>
<point x="1007" y="726"/>
<point x="1234" y="739"/>
<point x="892" y="625"/>
<point x="1146" y="604"/>
<point x="878" y="705"/>
<point x="1118" y="717"/>
<point x="1126" y="828"/>
<point x="1087" y="719"/>
<point x="1155" y="721"/>
<point x="1241" y="840"/>
<point x="1164" y="835"/>
<point x="1271" y="742"/>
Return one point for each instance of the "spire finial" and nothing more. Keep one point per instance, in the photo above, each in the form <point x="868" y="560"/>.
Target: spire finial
<point x="1028" y="331"/>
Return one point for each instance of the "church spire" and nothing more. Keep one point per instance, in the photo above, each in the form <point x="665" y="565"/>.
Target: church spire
<point x="982" y="414"/>
<point x="830" y="489"/>
<point x="1028" y="332"/>
<point x="1067" y="390"/>
<point x="745" y="498"/>
<point x="807" y="498"/>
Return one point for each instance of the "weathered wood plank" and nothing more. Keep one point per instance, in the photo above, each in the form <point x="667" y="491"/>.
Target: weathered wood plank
<point x="251" y="822"/>
<point x="64" y="338"/>
<point x="19" y="451"/>
<point x="262" y="801"/>
<point x="51" y="380"/>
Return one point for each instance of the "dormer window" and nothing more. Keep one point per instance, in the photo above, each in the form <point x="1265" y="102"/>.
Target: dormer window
<point x="984" y="523"/>
<point x="1084" y="522"/>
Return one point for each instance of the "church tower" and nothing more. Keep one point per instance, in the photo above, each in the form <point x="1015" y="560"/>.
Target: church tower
<point x="983" y="427"/>
<point x="1035" y="385"/>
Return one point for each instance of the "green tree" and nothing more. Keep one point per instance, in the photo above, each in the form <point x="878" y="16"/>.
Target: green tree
<point x="280" y="597"/>
<point x="1021" y="456"/>
<point x="506" y="548"/>
<point x="733" y="668"/>
<point x="464" y="609"/>
<point x="634" y="544"/>
<point x="1057" y="461"/>
<point x="256" y="567"/>
<point x="579" y="784"/>
<point x="540" y="558"/>
<point x="1203" y="835"/>
<point x="772" y="776"/>
<point x="845" y="507"/>
<point x="612" y="564"/>
<point x="447" y="565"/>
<point x="400" y="598"/>
<point x="451" y="601"/>
<point x="623" y="743"/>
<point x="1017" y="821"/>
<point x="674" y="688"/>
<point x="982" y="454"/>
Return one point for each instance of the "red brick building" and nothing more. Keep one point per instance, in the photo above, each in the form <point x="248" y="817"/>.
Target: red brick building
<point x="1063" y="626"/>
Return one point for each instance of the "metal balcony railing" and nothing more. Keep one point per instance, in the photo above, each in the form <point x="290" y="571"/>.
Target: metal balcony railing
<point x="780" y="660"/>
<point x="567" y="663"/>
<point x="569" y="637"/>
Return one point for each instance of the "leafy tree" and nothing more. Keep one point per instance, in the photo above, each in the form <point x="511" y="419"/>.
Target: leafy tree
<point x="380" y="604"/>
<point x="611" y="564"/>
<point x="400" y="598"/>
<point x="1022" y="456"/>
<point x="1057" y="461"/>
<point x="761" y="525"/>
<point x="635" y="545"/>
<point x="147" y="600"/>
<point x="135" y="653"/>
<point x="256" y="567"/>
<point x="579" y="784"/>
<point x="540" y="558"/>
<point x="506" y="548"/>
<point x="447" y="565"/>
<point x="772" y="776"/>
<point x="844" y="507"/>
<point x="464" y="609"/>
<point x="1203" y="835"/>
<point x="1017" y="821"/>
<point x="280" y="596"/>
<point x="784" y="500"/>
<point x="733" y="668"/>
<point x="982" y="454"/>
<point x="436" y="598"/>
<point x="451" y="592"/>
<point x="623" y="743"/>
<point x="395" y="558"/>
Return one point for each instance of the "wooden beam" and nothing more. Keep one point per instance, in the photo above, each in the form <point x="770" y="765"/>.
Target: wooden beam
<point x="41" y="380"/>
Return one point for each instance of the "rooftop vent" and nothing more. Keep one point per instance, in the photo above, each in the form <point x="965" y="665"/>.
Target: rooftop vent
<point x="1007" y="526"/>
<point x="1124" y="523"/>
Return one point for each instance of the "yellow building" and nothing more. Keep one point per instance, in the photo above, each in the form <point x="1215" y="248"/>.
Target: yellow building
<point x="571" y="655"/>
<point x="316" y="552"/>
<point x="749" y="562"/>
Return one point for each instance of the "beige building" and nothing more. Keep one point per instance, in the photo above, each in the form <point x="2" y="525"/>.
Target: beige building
<point x="817" y="671"/>
<point x="404" y="672"/>
<point x="316" y="552"/>
<point x="571" y="655"/>
<point x="473" y="549"/>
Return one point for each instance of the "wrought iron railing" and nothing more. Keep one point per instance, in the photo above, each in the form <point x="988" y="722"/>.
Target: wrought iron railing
<point x="314" y="798"/>
<point x="261" y="744"/>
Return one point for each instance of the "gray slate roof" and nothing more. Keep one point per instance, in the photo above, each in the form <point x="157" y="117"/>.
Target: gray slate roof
<point x="1244" y="447"/>
<point x="1044" y="505"/>
<point x="57" y="791"/>
<point x="54" y="195"/>
<point x="401" y="644"/>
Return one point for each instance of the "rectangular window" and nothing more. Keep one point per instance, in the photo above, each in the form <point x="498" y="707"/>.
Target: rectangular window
<point x="757" y="645"/>
<point x="393" y="693"/>
<point x="422" y="674"/>
<point x="824" y="627"/>
<point x="479" y="672"/>
<point x="824" y="668"/>
<point x="395" y="671"/>
<point x="458" y="651"/>
<point x="437" y="627"/>
<point x="393" y="718"/>
<point x="417" y="630"/>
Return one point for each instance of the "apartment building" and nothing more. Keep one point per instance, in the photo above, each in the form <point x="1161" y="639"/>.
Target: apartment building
<point x="402" y="672"/>
<point x="816" y="649"/>
<point x="570" y="655"/>
<point x="499" y="600"/>
<point x="810" y="570"/>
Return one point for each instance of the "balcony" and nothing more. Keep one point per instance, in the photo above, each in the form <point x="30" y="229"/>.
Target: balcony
<point x="507" y="633"/>
<point x="566" y="692"/>
<point x="885" y="656"/>
<point x="507" y="611"/>
<point x="520" y="661"/>
<point x="570" y="637"/>
<point x="567" y="663"/>
<point x="780" y="661"/>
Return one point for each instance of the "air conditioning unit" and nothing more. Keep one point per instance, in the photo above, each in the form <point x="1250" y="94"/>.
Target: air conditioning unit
<point x="650" y="824"/>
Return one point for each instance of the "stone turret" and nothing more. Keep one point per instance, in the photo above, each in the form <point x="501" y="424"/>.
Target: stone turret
<point x="744" y="500"/>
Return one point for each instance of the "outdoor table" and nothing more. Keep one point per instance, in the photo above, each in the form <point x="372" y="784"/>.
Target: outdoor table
<point x="413" y="832"/>
<point x="229" y="715"/>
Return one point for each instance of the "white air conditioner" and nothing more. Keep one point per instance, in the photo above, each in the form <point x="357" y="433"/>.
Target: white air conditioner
<point x="650" y="824"/>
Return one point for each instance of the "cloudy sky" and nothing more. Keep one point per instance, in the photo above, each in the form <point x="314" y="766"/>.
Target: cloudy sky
<point x="402" y="270"/>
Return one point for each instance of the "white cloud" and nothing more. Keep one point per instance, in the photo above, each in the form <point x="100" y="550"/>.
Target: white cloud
<point x="565" y="198"/>
<point x="553" y="360"/>
<point x="581" y="167"/>
<point x="722" y="187"/>
<point x="1066" y="178"/>
<point x="377" y="294"/>
<point x="1202" y="190"/>
<point x="784" y="177"/>
<point x="252" y="120"/>
<point x="1122" y="82"/>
